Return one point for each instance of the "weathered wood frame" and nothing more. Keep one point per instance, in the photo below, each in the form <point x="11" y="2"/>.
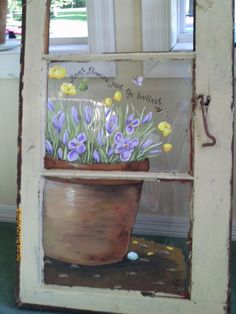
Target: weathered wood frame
<point x="211" y="216"/>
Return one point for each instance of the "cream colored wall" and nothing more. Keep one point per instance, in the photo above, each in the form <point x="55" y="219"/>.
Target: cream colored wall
<point x="8" y="139"/>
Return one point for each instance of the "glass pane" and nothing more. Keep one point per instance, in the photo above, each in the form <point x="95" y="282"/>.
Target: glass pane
<point x="146" y="25"/>
<point x="11" y="13"/>
<point x="88" y="239"/>
<point x="111" y="112"/>
<point x="118" y="234"/>
<point x="68" y="19"/>
<point x="189" y="15"/>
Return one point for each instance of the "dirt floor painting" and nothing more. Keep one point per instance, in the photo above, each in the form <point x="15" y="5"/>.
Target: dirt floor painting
<point x="159" y="268"/>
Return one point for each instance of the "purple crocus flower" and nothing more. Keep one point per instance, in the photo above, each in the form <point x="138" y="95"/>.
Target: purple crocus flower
<point x="58" y="120"/>
<point x="77" y="147"/>
<point x="88" y="113"/>
<point x="131" y="123"/>
<point x="50" y="105"/>
<point x="111" y="124"/>
<point x="100" y="137"/>
<point x="147" y="118"/>
<point x="74" y="114"/>
<point x="125" y="146"/>
<point x="60" y="153"/>
<point x="96" y="156"/>
<point x="49" y="148"/>
<point x="65" y="137"/>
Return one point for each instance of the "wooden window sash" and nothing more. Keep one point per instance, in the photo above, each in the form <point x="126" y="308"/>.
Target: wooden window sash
<point x="132" y="56"/>
<point x="210" y="222"/>
<point x="148" y="176"/>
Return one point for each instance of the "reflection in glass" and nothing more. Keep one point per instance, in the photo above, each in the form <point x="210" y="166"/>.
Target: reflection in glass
<point x="189" y="15"/>
<point x="68" y="19"/>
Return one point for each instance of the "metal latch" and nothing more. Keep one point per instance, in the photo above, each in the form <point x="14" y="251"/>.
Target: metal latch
<point x="204" y="108"/>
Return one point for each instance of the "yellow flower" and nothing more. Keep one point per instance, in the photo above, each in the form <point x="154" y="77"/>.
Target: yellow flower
<point x="167" y="147"/>
<point x="165" y="128"/>
<point x="117" y="96"/>
<point x="57" y="72"/>
<point x="68" y="89"/>
<point x="108" y="102"/>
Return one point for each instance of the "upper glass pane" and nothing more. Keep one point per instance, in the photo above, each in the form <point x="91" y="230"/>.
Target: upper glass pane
<point x="127" y="26"/>
<point x="80" y="25"/>
<point x="111" y="112"/>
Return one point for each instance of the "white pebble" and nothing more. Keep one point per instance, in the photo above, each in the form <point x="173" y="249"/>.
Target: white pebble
<point x="132" y="256"/>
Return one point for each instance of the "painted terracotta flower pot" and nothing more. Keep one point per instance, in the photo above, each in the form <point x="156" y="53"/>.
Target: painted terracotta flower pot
<point x="89" y="222"/>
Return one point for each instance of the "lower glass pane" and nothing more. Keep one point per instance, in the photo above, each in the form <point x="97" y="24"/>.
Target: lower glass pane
<point x="122" y="235"/>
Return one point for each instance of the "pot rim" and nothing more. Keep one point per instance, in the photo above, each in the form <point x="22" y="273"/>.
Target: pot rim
<point x="51" y="163"/>
<point x="141" y="165"/>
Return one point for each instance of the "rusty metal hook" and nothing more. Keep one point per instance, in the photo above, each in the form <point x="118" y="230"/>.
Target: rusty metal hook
<point x="204" y="108"/>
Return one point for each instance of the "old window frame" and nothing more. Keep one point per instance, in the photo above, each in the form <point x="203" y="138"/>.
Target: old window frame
<point x="209" y="293"/>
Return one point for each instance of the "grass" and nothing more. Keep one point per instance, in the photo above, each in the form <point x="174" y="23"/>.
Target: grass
<point x="66" y="23"/>
<point x="71" y="14"/>
<point x="79" y="14"/>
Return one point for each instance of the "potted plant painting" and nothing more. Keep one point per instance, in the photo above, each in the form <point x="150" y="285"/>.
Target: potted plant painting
<point x="89" y="221"/>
